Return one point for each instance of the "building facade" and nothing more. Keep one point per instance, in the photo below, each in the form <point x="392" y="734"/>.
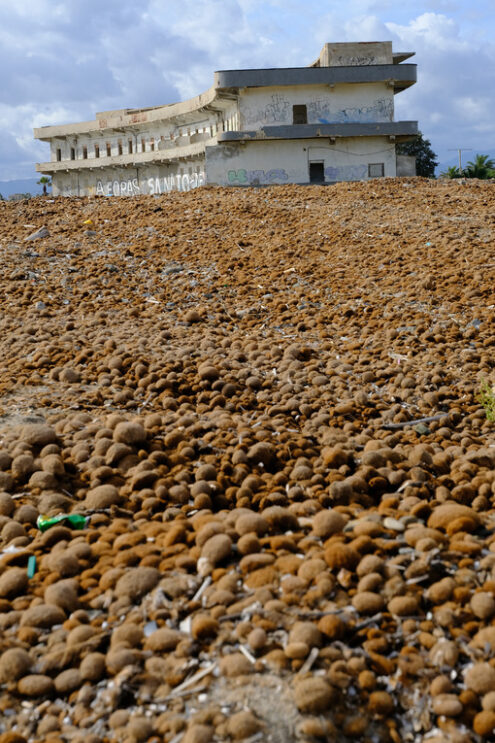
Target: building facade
<point x="332" y="121"/>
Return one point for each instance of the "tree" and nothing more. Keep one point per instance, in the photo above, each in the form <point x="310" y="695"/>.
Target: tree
<point x="452" y="172"/>
<point x="420" y="148"/>
<point x="481" y="167"/>
<point x="44" y="181"/>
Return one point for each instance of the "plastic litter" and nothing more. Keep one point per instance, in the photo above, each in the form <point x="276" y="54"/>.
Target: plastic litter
<point x="75" y="520"/>
<point x="31" y="566"/>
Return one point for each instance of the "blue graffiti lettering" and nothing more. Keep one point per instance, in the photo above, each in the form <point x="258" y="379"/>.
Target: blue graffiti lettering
<point x="256" y="177"/>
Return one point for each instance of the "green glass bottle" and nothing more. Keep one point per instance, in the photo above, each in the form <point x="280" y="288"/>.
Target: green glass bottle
<point x="72" y="520"/>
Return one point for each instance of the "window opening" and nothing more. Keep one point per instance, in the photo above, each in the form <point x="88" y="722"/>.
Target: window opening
<point x="97" y="150"/>
<point x="376" y="170"/>
<point x="72" y="153"/>
<point x="119" y="145"/>
<point x="143" y="145"/>
<point x="299" y="114"/>
<point x="316" y="172"/>
<point x="152" y="144"/>
<point x="109" y="149"/>
<point x="130" y="146"/>
<point x="85" y="153"/>
<point x="59" y="154"/>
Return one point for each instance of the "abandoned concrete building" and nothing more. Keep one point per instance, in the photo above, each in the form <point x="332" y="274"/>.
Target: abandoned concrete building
<point x="331" y="121"/>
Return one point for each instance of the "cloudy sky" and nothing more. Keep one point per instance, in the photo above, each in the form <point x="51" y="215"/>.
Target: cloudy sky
<point x="63" y="61"/>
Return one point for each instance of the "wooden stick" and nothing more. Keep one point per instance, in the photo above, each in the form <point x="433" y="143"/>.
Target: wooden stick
<point x="403" y="424"/>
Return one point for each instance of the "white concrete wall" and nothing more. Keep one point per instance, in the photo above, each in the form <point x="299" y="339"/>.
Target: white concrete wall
<point x="346" y="103"/>
<point x="265" y="162"/>
<point x="152" y="179"/>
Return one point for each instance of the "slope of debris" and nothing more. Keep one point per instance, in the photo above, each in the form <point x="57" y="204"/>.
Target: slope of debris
<point x="266" y="403"/>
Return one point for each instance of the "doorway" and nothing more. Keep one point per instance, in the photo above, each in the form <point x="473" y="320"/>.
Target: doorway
<point x="316" y="172"/>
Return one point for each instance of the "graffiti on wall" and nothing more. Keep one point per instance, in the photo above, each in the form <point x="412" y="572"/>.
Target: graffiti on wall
<point x="275" y="112"/>
<point x="343" y="61"/>
<point x="151" y="186"/>
<point x="346" y="172"/>
<point x="381" y="110"/>
<point x="244" y="177"/>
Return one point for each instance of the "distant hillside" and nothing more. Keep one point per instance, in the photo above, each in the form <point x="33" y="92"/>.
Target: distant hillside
<point x="26" y="185"/>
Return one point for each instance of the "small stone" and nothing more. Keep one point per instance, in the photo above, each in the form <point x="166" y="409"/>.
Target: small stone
<point x="35" y="685"/>
<point x="217" y="548"/>
<point x="339" y="555"/>
<point x="140" y="728"/>
<point x="444" y="653"/>
<point x="235" y="664"/>
<point x="313" y="695"/>
<point x="68" y="680"/>
<point x="370" y="564"/>
<point x="38" y="434"/>
<point x="63" y="594"/>
<point x="198" y="733"/>
<point x="163" y="640"/>
<point x="480" y="678"/>
<point x="483" y="605"/>
<point x="118" y="659"/>
<point x="367" y="602"/>
<point x="243" y="725"/>
<point x="441" y="590"/>
<point x="440" y="685"/>
<point x="102" y="496"/>
<point x="262" y="452"/>
<point x="7" y="504"/>
<point x="13" y="582"/>
<point x="14" y="663"/>
<point x="488" y="701"/>
<point x="380" y="703"/>
<point x="393" y="524"/>
<point x="137" y="582"/>
<point x="130" y="433"/>
<point x="484" y="723"/>
<point x="306" y="633"/>
<point x="332" y="626"/>
<point x="403" y="606"/>
<point x="251" y="522"/>
<point x="69" y="375"/>
<point x="257" y="639"/>
<point x="42" y="615"/>
<point x="326" y="523"/>
<point x="447" y="704"/>
<point x="192" y="316"/>
<point x="92" y="667"/>
<point x="203" y="626"/>
<point x="296" y="650"/>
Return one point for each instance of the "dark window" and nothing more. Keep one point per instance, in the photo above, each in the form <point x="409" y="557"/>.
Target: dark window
<point x="72" y="153"/>
<point x="143" y="145"/>
<point x="109" y="149"/>
<point x="85" y="153"/>
<point x="299" y="115"/>
<point x="130" y="146"/>
<point x="376" y="170"/>
<point x="152" y="144"/>
<point x="59" y="154"/>
<point x="97" y="150"/>
<point x="119" y="145"/>
<point x="316" y="173"/>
